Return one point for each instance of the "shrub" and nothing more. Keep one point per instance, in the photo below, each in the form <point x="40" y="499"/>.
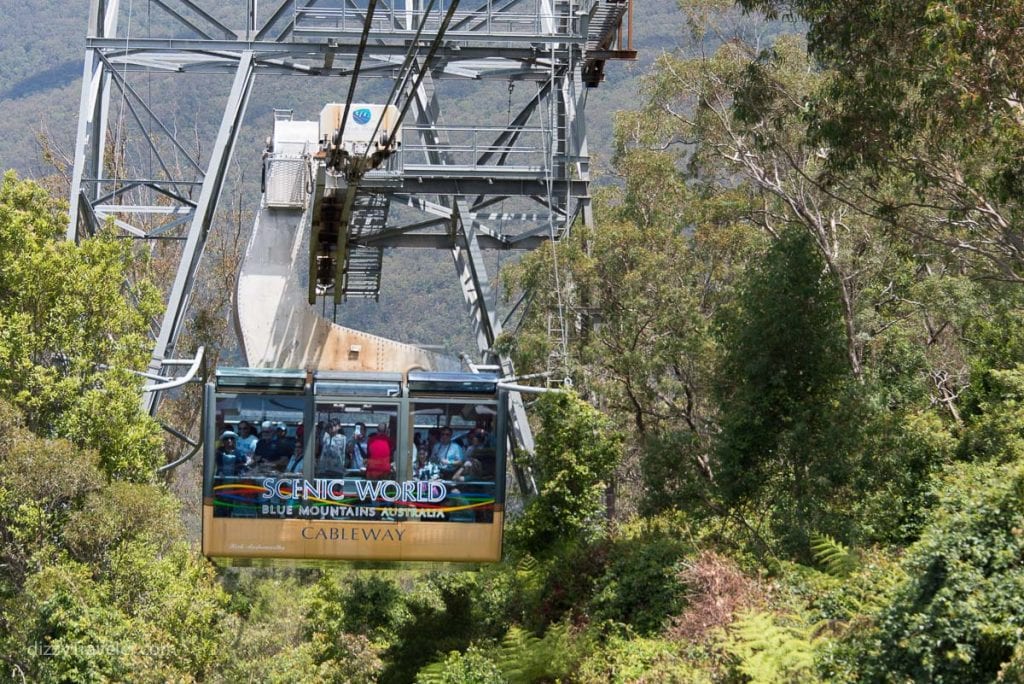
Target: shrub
<point x="640" y="585"/>
<point x="958" y="617"/>
<point x="576" y="454"/>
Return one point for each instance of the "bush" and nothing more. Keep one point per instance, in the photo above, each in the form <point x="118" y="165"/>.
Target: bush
<point x="577" y="450"/>
<point x="640" y="585"/>
<point x="958" y="617"/>
<point x="622" y="659"/>
<point x="471" y="667"/>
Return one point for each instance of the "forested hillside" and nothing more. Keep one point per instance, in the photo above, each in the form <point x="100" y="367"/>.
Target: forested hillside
<point x="794" y="449"/>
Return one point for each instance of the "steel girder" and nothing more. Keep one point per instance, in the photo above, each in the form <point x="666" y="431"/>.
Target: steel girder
<point x="451" y="192"/>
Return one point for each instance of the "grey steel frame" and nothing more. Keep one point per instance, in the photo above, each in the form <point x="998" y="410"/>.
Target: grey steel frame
<point x="476" y="48"/>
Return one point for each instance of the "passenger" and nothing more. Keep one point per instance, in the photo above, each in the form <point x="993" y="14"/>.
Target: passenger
<point x="295" y="462"/>
<point x="246" y="442"/>
<point x="357" y="453"/>
<point x="425" y="468"/>
<point x="447" y="453"/>
<point x="379" y="450"/>
<point x="229" y="462"/>
<point x="332" y="453"/>
<point x="476" y="441"/>
<point x="471" y="469"/>
<point x="285" y="445"/>
<point x="264" y="450"/>
<point x="273" y="449"/>
<point x="483" y="426"/>
<point x="433" y="439"/>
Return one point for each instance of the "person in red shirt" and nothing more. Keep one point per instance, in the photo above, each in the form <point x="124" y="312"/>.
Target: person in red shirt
<point x="379" y="448"/>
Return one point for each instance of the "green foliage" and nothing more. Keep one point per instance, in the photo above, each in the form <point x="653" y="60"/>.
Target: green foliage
<point x="790" y="409"/>
<point x="98" y="584"/>
<point x="1012" y="671"/>
<point x="835" y="556"/>
<point x="364" y="603"/>
<point x="470" y="667"/>
<point x="639" y="586"/>
<point x="66" y="314"/>
<point x="904" y="451"/>
<point x="444" y="615"/>
<point x="768" y="652"/>
<point x="671" y="479"/>
<point x="152" y="617"/>
<point x="577" y="449"/>
<point x="523" y="658"/>
<point x="996" y="431"/>
<point x="272" y="634"/>
<point x="621" y="659"/>
<point x="117" y="513"/>
<point x="957" y="617"/>
<point x="570" y="576"/>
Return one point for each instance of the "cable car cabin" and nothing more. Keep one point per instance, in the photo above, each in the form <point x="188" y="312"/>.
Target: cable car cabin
<point x="330" y="469"/>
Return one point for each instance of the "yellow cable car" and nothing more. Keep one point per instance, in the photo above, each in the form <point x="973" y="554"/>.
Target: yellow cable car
<point x="353" y="466"/>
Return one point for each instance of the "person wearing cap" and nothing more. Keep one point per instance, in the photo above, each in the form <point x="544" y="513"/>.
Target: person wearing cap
<point x="284" y="446"/>
<point x="229" y="461"/>
<point x="266" y="444"/>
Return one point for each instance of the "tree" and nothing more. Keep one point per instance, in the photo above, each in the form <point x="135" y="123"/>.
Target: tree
<point x="926" y="94"/>
<point x="956" y="618"/>
<point x="70" y="330"/>
<point x="791" y="412"/>
<point x="577" y="450"/>
<point x="99" y="582"/>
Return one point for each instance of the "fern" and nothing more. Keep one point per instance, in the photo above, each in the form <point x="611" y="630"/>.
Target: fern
<point x="769" y="653"/>
<point x="525" y="658"/>
<point x="527" y="565"/>
<point x="519" y="650"/>
<point x="432" y="673"/>
<point x="837" y="559"/>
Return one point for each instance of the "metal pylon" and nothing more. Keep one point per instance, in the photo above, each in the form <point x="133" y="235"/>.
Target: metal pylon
<point x="452" y="175"/>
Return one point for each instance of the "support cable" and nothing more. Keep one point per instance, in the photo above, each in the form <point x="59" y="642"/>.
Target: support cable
<point x="424" y="68"/>
<point x="124" y="96"/>
<point x="339" y="134"/>
<point x="356" y="170"/>
<point x="549" y="178"/>
<point x="405" y="70"/>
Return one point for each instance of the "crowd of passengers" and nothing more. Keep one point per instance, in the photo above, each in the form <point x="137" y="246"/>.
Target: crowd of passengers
<point x="438" y="454"/>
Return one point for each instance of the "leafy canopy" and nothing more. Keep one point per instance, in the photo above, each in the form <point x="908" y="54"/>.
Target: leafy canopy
<point x="67" y="315"/>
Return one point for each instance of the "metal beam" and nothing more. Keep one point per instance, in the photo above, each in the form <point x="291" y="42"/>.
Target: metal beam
<point x="476" y="289"/>
<point x="316" y="50"/>
<point x="213" y="183"/>
<point x="462" y="186"/>
<point x="92" y="115"/>
<point x="443" y="241"/>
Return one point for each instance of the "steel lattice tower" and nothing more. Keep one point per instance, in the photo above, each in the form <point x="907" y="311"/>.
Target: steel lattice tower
<point x="457" y="178"/>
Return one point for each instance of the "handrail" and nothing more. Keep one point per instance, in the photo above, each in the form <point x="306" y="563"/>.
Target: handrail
<point x="527" y="389"/>
<point x="183" y="380"/>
